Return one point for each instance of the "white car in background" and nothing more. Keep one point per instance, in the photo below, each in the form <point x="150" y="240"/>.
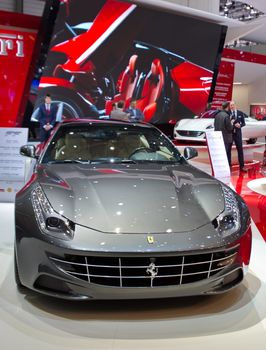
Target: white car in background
<point x="194" y="129"/>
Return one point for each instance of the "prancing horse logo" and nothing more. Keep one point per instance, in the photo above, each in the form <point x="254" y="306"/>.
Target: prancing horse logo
<point x="152" y="270"/>
<point x="150" y="239"/>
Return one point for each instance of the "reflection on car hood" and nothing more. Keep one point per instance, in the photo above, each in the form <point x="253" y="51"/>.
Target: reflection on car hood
<point x="142" y="198"/>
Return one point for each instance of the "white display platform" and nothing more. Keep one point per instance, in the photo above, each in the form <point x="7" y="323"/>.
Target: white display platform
<point x="258" y="186"/>
<point x="234" y="319"/>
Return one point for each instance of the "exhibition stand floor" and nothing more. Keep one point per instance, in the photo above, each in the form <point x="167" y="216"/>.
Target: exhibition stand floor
<point x="252" y="187"/>
<point x="237" y="318"/>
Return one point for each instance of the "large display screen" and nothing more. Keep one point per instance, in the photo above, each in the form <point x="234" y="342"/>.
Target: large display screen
<point x="107" y="51"/>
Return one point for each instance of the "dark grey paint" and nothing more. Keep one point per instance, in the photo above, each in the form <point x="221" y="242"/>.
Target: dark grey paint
<point x="176" y="204"/>
<point x="158" y="199"/>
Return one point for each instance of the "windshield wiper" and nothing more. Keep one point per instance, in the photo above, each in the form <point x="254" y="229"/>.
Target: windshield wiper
<point x="112" y="161"/>
<point x="69" y="161"/>
<point x="125" y="161"/>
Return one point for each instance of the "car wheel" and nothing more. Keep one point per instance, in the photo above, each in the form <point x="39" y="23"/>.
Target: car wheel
<point x="20" y="286"/>
<point x="251" y="141"/>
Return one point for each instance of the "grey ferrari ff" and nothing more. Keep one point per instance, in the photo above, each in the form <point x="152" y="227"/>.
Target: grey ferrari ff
<point x="114" y="211"/>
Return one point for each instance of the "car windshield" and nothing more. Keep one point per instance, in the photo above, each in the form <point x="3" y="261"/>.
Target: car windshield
<point x="109" y="143"/>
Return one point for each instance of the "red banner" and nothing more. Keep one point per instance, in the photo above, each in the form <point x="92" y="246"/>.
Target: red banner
<point x="224" y="84"/>
<point x="16" y="48"/>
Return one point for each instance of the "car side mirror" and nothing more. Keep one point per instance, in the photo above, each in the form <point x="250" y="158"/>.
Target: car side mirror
<point x="190" y="152"/>
<point x="28" y="151"/>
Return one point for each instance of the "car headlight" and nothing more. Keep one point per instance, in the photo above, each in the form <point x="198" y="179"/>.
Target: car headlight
<point x="50" y="222"/>
<point x="228" y="222"/>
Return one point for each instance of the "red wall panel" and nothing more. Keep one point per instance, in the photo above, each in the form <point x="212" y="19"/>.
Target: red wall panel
<point x="16" y="49"/>
<point x="18" y="34"/>
<point x="224" y="84"/>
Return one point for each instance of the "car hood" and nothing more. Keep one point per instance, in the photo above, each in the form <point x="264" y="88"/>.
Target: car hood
<point x="199" y="124"/>
<point x="133" y="198"/>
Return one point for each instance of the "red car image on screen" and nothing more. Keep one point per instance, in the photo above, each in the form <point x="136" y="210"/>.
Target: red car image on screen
<point x="164" y="84"/>
<point x="159" y="81"/>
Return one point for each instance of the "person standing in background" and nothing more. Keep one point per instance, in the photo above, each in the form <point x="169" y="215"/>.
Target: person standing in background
<point x="118" y="112"/>
<point x="134" y="112"/>
<point x="239" y="122"/>
<point x="47" y="118"/>
<point x="223" y="123"/>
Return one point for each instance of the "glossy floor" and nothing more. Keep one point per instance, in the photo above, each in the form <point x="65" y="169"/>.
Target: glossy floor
<point x="235" y="319"/>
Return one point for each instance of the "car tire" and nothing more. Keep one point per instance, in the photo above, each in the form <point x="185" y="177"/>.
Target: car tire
<point x="251" y="141"/>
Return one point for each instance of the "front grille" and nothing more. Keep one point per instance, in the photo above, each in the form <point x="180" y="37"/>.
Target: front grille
<point x="190" y="133"/>
<point x="138" y="271"/>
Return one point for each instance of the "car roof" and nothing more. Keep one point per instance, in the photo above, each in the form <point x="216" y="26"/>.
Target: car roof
<point x="104" y="121"/>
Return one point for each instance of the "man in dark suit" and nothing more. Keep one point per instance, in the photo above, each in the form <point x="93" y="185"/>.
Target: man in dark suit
<point x="46" y="118"/>
<point x="239" y="121"/>
<point x="134" y="112"/>
<point x="223" y="123"/>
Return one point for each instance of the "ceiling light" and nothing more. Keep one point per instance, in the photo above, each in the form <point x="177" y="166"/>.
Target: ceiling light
<point x="238" y="10"/>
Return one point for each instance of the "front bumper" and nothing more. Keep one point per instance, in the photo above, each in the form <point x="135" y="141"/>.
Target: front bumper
<point x="187" y="135"/>
<point x="62" y="272"/>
